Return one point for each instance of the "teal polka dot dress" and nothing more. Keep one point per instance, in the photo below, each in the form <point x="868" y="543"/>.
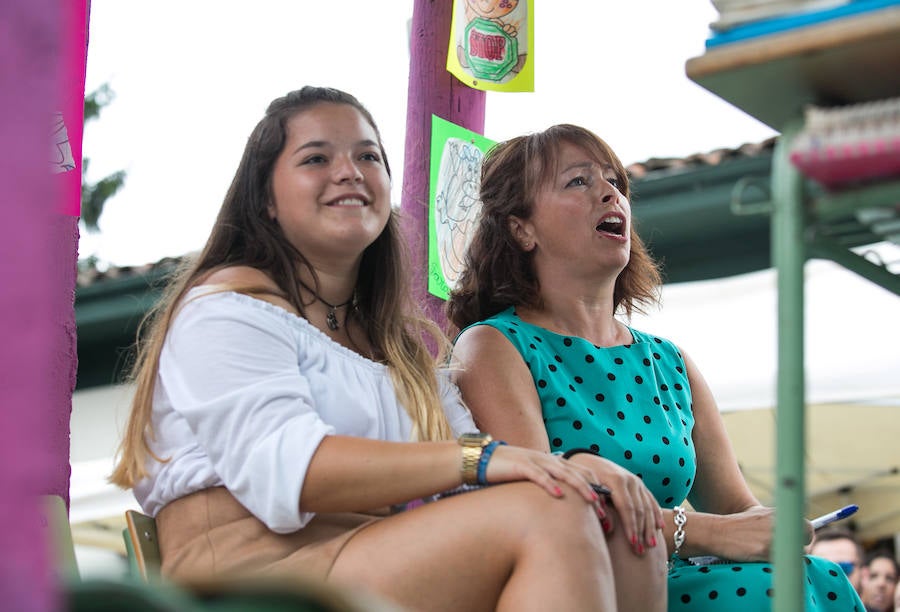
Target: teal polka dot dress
<point x="632" y="405"/>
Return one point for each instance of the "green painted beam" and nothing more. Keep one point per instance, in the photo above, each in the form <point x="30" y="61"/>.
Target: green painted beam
<point x="826" y="249"/>
<point x="685" y="218"/>
<point x="788" y="254"/>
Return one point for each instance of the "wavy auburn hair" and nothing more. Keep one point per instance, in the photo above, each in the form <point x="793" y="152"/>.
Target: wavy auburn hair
<point x="497" y="273"/>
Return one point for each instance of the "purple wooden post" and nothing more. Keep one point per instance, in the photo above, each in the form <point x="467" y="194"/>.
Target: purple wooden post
<point x="38" y="252"/>
<point x="432" y="90"/>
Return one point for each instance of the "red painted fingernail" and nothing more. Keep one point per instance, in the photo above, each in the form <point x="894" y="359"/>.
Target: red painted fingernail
<point x="594" y="496"/>
<point x="607" y="526"/>
<point x="634" y="540"/>
<point x="558" y="491"/>
<point x="640" y="549"/>
<point x="652" y="541"/>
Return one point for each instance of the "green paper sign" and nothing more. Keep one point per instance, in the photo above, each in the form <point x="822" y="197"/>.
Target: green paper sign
<point x="453" y="203"/>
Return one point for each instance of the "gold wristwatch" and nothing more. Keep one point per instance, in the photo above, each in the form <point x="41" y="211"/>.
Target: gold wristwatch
<point x="472" y="446"/>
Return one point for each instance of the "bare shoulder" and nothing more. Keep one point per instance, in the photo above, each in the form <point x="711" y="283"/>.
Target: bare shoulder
<point x="482" y="350"/>
<point x="498" y="387"/>
<point x="480" y="341"/>
<point x="250" y="281"/>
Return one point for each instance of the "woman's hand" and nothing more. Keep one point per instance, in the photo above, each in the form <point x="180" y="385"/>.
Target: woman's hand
<point x="513" y="463"/>
<point x="640" y="515"/>
<point x="747" y="535"/>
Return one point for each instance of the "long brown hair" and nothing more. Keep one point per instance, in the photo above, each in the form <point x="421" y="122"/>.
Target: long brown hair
<point x="497" y="273"/>
<point x="244" y="235"/>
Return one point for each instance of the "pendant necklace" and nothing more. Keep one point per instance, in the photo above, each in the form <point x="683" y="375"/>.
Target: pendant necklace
<point x="331" y="318"/>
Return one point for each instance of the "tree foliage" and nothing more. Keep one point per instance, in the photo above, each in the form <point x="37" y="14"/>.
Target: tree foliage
<point x="95" y="195"/>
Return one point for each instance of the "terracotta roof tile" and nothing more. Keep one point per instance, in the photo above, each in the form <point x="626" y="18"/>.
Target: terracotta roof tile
<point x="664" y="164"/>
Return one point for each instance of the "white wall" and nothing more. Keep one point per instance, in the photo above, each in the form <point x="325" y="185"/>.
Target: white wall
<point x="98" y="416"/>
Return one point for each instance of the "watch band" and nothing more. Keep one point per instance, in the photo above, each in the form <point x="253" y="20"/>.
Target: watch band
<point x="469" y="468"/>
<point x="472" y="446"/>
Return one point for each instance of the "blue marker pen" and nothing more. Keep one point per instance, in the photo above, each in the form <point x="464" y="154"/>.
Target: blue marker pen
<point x="831" y="517"/>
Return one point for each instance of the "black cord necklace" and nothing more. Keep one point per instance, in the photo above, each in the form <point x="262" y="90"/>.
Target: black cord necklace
<point x="331" y="318"/>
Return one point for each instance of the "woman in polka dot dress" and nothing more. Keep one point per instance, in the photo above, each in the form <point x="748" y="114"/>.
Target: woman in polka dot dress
<point x="545" y="363"/>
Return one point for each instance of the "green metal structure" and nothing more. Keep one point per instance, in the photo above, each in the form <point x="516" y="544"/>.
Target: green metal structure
<point x="773" y="77"/>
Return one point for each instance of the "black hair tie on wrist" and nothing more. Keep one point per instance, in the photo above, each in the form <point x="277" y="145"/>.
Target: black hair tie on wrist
<point x="574" y="451"/>
<point x="599" y="489"/>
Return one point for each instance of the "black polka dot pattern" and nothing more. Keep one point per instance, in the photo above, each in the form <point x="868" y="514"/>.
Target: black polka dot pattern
<point x="632" y="405"/>
<point x="748" y="586"/>
<point x="626" y="389"/>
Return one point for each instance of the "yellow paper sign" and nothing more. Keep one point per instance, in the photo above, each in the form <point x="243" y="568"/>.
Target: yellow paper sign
<point x="492" y="43"/>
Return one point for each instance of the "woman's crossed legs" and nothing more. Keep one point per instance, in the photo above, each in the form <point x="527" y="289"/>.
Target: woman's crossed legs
<point x="511" y="546"/>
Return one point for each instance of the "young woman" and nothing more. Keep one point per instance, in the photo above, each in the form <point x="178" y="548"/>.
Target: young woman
<point x="286" y="401"/>
<point x="547" y="364"/>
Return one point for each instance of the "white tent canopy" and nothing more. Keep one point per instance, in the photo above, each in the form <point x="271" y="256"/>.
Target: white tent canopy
<point x="729" y="327"/>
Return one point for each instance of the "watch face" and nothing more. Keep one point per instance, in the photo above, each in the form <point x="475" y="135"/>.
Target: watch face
<point x="475" y="439"/>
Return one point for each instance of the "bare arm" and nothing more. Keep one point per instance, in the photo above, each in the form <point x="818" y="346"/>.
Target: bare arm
<point x="499" y="389"/>
<point x="730" y="521"/>
<point x="350" y="473"/>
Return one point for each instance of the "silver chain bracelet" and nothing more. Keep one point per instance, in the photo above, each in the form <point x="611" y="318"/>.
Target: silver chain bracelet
<point x="680" y="519"/>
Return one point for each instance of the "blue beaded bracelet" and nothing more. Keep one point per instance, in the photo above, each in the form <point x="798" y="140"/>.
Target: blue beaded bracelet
<point x="486" y="453"/>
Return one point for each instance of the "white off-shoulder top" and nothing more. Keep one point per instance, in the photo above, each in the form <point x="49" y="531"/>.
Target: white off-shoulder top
<point x="245" y="393"/>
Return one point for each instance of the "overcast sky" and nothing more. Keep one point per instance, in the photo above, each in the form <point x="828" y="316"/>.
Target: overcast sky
<point x="192" y="79"/>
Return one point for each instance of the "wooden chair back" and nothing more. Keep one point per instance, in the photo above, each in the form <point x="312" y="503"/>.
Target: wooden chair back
<point x="143" y="544"/>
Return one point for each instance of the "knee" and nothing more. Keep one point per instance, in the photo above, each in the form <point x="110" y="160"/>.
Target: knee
<point x="649" y="562"/>
<point x="564" y="520"/>
<point x="653" y="565"/>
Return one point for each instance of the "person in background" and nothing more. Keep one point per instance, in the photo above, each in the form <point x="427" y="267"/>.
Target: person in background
<point x="897" y="597"/>
<point x="285" y="401"/>
<point x="879" y="580"/>
<point x="841" y="546"/>
<point x="545" y="362"/>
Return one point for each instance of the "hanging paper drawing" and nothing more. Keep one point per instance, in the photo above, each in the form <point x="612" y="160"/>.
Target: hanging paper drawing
<point x="61" y="158"/>
<point x="68" y="120"/>
<point x="490" y="43"/>
<point x="456" y="155"/>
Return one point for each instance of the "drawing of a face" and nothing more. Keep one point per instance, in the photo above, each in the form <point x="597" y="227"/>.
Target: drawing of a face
<point x="456" y="204"/>
<point x="492" y="9"/>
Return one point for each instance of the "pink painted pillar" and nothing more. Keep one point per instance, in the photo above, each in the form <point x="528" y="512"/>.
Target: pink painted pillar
<point x="38" y="253"/>
<point x="432" y="90"/>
